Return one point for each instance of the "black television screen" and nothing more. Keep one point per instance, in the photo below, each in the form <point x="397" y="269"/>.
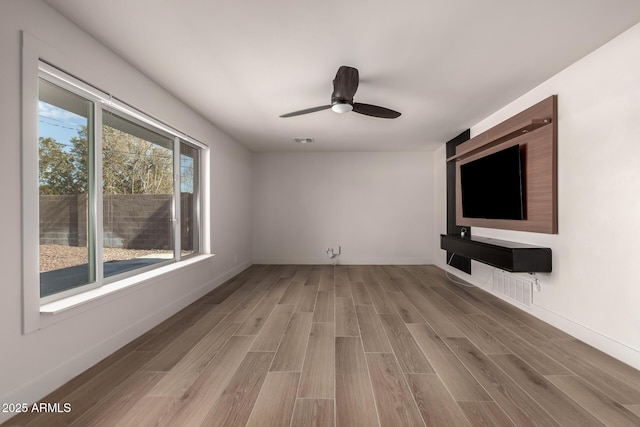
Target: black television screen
<point x="492" y="186"/>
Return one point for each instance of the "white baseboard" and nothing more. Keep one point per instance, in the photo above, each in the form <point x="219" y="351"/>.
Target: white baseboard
<point x="342" y="261"/>
<point x="54" y="378"/>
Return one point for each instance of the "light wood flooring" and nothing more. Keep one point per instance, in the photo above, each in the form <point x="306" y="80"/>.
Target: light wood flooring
<point x="350" y="346"/>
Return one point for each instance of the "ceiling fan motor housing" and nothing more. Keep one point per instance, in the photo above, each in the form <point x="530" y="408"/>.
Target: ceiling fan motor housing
<point x="345" y="85"/>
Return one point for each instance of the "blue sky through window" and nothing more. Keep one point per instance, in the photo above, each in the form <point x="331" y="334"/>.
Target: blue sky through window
<point x="59" y="124"/>
<point x="62" y="125"/>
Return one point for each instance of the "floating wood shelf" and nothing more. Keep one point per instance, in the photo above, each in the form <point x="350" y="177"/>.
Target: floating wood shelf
<point x="509" y="256"/>
<point x="529" y="126"/>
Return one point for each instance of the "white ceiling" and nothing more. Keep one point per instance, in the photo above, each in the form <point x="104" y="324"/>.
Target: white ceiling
<point x="444" y="64"/>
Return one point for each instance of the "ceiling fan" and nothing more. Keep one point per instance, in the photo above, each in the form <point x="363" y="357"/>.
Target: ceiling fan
<point x="345" y="86"/>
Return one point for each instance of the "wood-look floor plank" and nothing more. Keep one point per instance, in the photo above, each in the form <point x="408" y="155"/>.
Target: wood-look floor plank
<point x="232" y="301"/>
<point x="174" y="351"/>
<point x="279" y="288"/>
<point x="60" y="394"/>
<point x="613" y="366"/>
<point x="404" y="308"/>
<point x="600" y="405"/>
<point x="88" y="394"/>
<point x="384" y="280"/>
<point x="342" y="288"/>
<point x="562" y="408"/>
<point x="246" y="307"/>
<point x="396" y="406"/>
<point x="195" y="358"/>
<point x="223" y="291"/>
<point x="271" y="333"/>
<point x="437" y="276"/>
<point x="419" y="276"/>
<point x="274" y="405"/>
<point x="345" y="318"/>
<point x="435" y="404"/>
<point x="456" y="301"/>
<point x="354" y="396"/>
<point x="292" y="348"/>
<point x="318" y="372"/>
<point x="313" y="413"/>
<point x="481" y="338"/>
<point x="491" y="311"/>
<point x="327" y="279"/>
<point x="117" y="403"/>
<point x="196" y="403"/>
<point x="634" y="408"/>
<point x="268" y="279"/>
<point x="405" y="271"/>
<point x="393" y="272"/>
<point x="354" y="273"/>
<point x="287" y="271"/>
<point x="412" y="359"/>
<point x="315" y="275"/>
<point x="177" y="381"/>
<point x="258" y="317"/>
<point x="307" y="298"/>
<point x="379" y="298"/>
<point x="360" y="294"/>
<point x="340" y="271"/>
<point x="433" y="296"/>
<point x="324" y="310"/>
<point x="236" y="402"/>
<point x="302" y="273"/>
<point x="517" y="404"/>
<point x="401" y="281"/>
<point x="149" y="411"/>
<point x="291" y="295"/>
<point x="461" y="384"/>
<point x="167" y="331"/>
<point x="534" y="323"/>
<point x="485" y="414"/>
<point x="618" y="390"/>
<point x="374" y="339"/>
<point x="430" y="312"/>
<point x="254" y="274"/>
<point x="527" y="352"/>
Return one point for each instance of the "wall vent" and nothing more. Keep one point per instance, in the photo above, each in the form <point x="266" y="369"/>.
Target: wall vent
<point x="514" y="288"/>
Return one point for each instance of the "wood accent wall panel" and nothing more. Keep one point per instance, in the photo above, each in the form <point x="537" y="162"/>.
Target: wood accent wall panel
<point x="538" y="148"/>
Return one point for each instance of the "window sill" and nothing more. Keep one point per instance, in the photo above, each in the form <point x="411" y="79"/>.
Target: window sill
<point x="121" y="287"/>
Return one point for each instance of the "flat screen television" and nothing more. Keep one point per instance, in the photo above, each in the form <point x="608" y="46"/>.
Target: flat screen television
<point x="492" y="186"/>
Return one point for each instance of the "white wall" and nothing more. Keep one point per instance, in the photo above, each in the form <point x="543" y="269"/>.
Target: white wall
<point x="593" y="291"/>
<point x="33" y="365"/>
<point x="377" y="206"/>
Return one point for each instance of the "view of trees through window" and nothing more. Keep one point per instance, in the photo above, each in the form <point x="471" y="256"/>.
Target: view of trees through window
<point x="138" y="200"/>
<point x="63" y="185"/>
<point x="135" y="166"/>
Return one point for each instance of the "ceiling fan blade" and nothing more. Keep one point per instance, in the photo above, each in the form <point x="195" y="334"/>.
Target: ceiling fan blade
<point x="375" y="111"/>
<point x="307" y="111"/>
<point x="345" y="84"/>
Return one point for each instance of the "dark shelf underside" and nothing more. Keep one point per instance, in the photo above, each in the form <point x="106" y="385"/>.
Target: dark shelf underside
<point x="509" y="256"/>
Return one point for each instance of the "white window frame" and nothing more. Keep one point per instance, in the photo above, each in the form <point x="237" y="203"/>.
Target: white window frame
<point x="37" y="312"/>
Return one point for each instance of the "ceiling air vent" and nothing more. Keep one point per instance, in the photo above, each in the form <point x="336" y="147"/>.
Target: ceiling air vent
<point x="305" y="140"/>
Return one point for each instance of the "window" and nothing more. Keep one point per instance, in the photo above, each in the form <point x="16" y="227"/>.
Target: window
<point x="118" y="192"/>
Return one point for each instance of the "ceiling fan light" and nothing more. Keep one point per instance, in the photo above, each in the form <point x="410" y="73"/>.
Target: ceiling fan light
<point x="342" y="107"/>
